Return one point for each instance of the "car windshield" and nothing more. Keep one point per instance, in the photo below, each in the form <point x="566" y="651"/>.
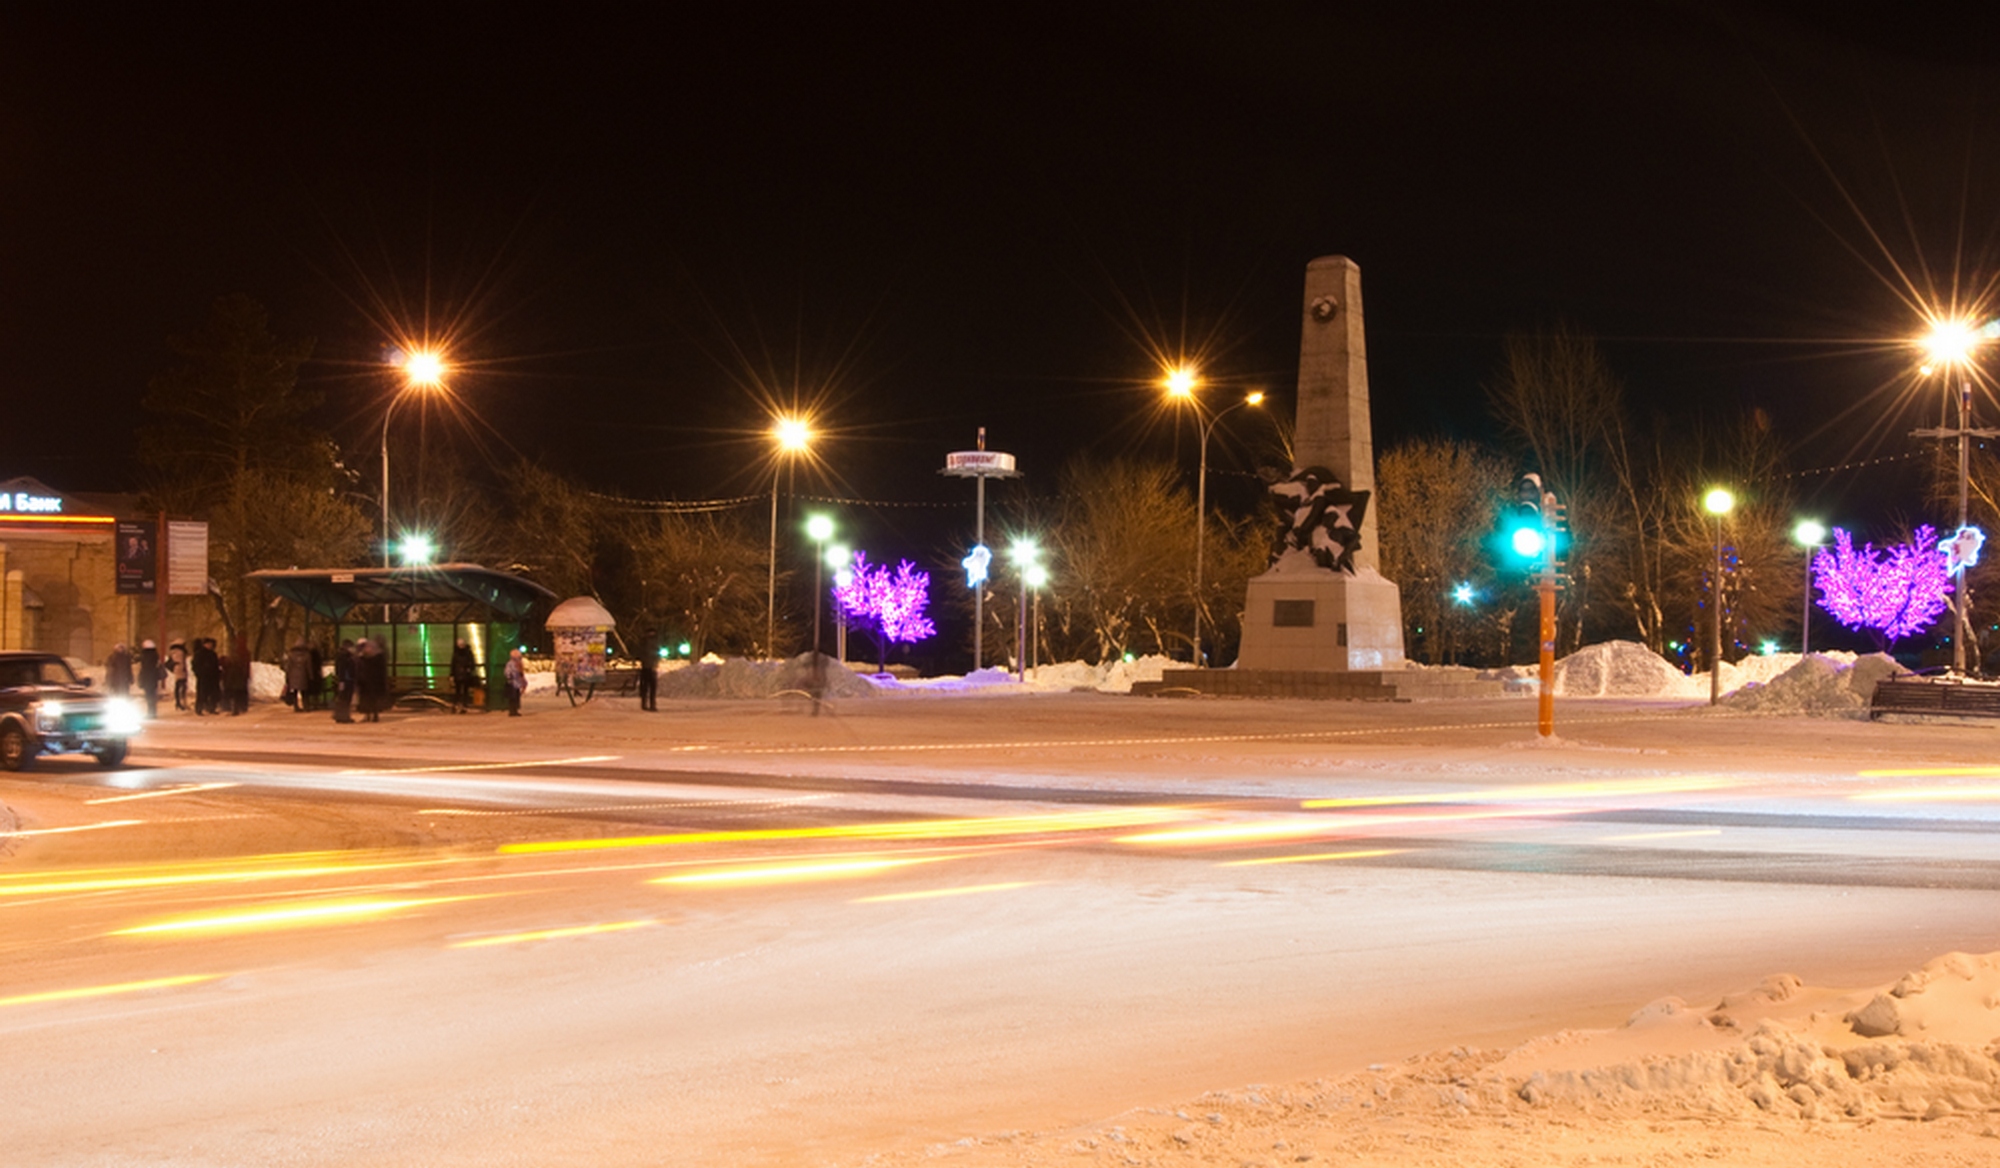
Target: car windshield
<point x="43" y="671"/>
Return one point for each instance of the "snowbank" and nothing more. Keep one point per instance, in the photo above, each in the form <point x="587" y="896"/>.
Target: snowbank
<point x="1060" y="677"/>
<point x="738" y="677"/>
<point x="1922" y="1048"/>
<point x="1818" y="685"/>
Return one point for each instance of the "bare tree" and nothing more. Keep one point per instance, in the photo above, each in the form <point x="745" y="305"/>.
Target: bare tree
<point x="695" y="577"/>
<point x="1122" y="548"/>
<point x="1437" y="501"/>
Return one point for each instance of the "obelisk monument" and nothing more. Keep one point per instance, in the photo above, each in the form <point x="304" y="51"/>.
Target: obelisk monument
<point x="1322" y="604"/>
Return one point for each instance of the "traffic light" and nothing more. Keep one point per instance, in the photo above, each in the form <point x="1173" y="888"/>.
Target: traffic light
<point x="1524" y="534"/>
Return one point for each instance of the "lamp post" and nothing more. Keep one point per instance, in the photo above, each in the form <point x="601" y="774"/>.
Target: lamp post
<point x="819" y="529"/>
<point x="423" y="370"/>
<point x="838" y="557"/>
<point x="1181" y="383"/>
<point x="1718" y="502"/>
<point x="1811" y="534"/>
<point x="1950" y="347"/>
<point x="1024" y="553"/>
<point x="1037" y="578"/>
<point x="794" y="436"/>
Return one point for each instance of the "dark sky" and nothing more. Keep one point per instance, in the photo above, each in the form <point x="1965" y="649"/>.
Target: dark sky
<point x="633" y="226"/>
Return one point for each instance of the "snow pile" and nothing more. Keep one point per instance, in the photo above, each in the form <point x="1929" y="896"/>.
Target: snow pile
<point x="1818" y="684"/>
<point x="1620" y="669"/>
<point x="1060" y="677"/>
<point x="1924" y="1048"/>
<point x="267" y="681"/>
<point x="738" y="677"/>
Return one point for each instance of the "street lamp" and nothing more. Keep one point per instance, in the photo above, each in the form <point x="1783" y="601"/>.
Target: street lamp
<point x="1024" y="553"/>
<point x="793" y="435"/>
<point x="1950" y="347"/>
<point x="839" y="557"/>
<point x="423" y="371"/>
<point x="417" y="549"/>
<point x="1181" y="383"/>
<point x="819" y="529"/>
<point x="1811" y="535"/>
<point x="1037" y="578"/>
<point x="1718" y="502"/>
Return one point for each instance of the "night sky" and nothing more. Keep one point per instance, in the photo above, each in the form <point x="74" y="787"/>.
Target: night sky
<point x="635" y="229"/>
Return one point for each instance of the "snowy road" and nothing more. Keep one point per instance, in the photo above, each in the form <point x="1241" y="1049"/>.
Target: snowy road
<point x="732" y="935"/>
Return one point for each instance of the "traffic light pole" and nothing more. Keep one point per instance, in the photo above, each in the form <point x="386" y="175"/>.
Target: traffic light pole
<point x="1545" y="587"/>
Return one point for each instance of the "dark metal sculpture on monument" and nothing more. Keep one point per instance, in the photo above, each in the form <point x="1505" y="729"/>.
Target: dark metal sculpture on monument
<point x="1322" y="621"/>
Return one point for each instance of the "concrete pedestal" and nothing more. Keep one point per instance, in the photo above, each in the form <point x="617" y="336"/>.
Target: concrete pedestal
<point x="1308" y="618"/>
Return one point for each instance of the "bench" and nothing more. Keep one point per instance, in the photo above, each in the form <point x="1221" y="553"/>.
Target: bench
<point x="1915" y="695"/>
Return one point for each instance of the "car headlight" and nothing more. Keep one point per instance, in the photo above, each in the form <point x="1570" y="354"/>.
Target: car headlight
<point x="49" y="714"/>
<point x="121" y="716"/>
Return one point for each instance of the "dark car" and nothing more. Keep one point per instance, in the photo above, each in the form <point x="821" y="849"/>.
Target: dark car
<point x="46" y="709"/>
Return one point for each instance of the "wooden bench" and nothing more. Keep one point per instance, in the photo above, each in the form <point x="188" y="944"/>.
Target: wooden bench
<point x="1957" y="699"/>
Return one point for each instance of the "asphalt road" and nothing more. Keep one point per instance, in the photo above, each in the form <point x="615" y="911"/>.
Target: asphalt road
<point x="783" y="942"/>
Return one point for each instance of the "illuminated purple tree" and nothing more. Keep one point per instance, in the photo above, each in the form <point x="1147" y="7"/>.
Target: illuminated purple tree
<point x="1892" y="593"/>
<point x="890" y="606"/>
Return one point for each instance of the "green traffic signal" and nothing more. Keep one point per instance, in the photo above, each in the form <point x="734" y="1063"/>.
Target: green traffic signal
<point x="1528" y="542"/>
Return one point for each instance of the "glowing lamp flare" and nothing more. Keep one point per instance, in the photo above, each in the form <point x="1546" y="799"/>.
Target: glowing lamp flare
<point x="424" y="368"/>
<point x="1720" y="501"/>
<point x="1952" y="342"/>
<point x="1181" y="381"/>
<point x="793" y="434"/>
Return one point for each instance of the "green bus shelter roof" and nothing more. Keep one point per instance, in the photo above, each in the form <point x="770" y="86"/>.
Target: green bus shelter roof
<point x="468" y="591"/>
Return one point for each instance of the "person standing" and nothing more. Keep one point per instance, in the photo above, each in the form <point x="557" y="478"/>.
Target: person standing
<point x="207" y="677"/>
<point x="649" y="675"/>
<point x="177" y="668"/>
<point x="517" y="682"/>
<point x="371" y="679"/>
<point x="464" y="675"/>
<point x="343" y="683"/>
<point x="149" y="677"/>
<point x="316" y="696"/>
<point x="236" y="677"/>
<point x="299" y="676"/>
<point x="118" y="671"/>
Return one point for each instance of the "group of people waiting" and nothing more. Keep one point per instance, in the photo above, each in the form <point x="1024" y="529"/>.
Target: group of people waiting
<point x="359" y="679"/>
<point x="220" y="681"/>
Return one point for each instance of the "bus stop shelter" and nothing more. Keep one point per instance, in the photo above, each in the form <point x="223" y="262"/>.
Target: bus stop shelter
<point x="418" y="615"/>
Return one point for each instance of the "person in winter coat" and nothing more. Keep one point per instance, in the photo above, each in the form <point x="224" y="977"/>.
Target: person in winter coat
<point x="316" y="696"/>
<point x="177" y="668"/>
<point x="517" y="682"/>
<point x="118" y="671"/>
<point x="207" y="677"/>
<point x="299" y="678"/>
<point x="464" y="675"/>
<point x="371" y="680"/>
<point x="236" y="677"/>
<point x="649" y="674"/>
<point x="343" y="683"/>
<point x="149" y="677"/>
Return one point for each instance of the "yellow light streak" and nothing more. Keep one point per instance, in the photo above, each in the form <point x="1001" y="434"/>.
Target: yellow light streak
<point x="1539" y="791"/>
<point x="1660" y="835"/>
<point x="284" y="916"/>
<point x="921" y="829"/>
<point x="104" y="991"/>
<point x="553" y="934"/>
<point x="783" y="873"/>
<point x="112" y="879"/>
<point x="1314" y="857"/>
<point x="934" y="893"/>
<point x="1973" y="794"/>
<point x="187" y="790"/>
<point x="485" y="766"/>
<point x="78" y="827"/>
<point x="1931" y="772"/>
<point x="1230" y="833"/>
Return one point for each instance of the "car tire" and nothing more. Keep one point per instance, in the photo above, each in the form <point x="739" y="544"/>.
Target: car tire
<point x="112" y="754"/>
<point x="15" y="754"/>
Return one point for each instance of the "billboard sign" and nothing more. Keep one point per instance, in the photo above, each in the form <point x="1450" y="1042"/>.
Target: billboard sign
<point x="187" y="559"/>
<point x="137" y="557"/>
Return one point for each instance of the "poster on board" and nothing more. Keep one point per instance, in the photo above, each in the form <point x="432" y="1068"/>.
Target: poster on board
<point x="137" y="561"/>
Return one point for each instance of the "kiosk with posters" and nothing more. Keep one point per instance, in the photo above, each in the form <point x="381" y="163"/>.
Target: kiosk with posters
<point x="579" y="627"/>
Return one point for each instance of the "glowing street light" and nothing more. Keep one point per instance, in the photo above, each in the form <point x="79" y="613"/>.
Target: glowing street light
<point x="1023" y="553"/>
<point x="1950" y="348"/>
<point x="819" y="529"/>
<point x="1181" y="383"/>
<point x="1811" y="534"/>
<point x="416" y="549"/>
<point x="840" y="558"/>
<point x="423" y="371"/>
<point x="793" y="435"/>
<point x="1719" y="502"/>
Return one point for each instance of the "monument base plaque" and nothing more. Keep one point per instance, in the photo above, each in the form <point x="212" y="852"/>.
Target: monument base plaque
<point x="1310" y="618"/>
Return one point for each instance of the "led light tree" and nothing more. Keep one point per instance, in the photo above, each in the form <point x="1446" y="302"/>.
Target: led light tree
<point x="1893" y="593"/>
<point x="888" y="605"/>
